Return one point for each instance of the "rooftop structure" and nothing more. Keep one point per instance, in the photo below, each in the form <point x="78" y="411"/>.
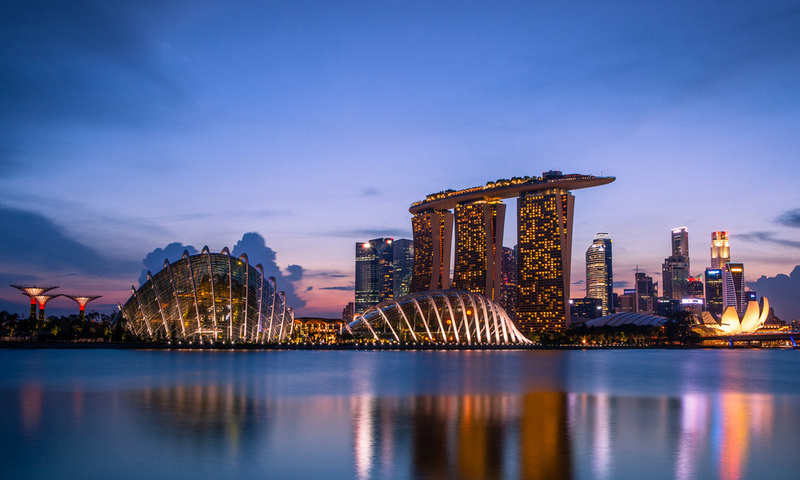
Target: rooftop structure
<point x="210" y="297"/>
<point x="504" y="188"/>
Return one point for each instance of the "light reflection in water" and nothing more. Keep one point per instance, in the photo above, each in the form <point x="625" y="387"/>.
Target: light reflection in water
<point x="248" y="427"/>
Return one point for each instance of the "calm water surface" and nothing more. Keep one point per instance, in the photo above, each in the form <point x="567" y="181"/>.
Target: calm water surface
<point x="606" y="414"/>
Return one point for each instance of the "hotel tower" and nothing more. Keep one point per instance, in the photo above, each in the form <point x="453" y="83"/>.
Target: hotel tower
<point x="544" y="251"/>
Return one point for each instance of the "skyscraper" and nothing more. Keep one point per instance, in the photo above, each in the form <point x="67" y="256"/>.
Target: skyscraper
<point x="402" y="266"/>
<point x="733" y="287"/>
<point x="544" y="233"/>
<point x="508" y="295"/>
<point x="599" y="272"/>
<point x="479" y="247"/>
<point x="374" y="272"/>
<point x="645" y="293"/>
<point x="680" y="242"/>
<point x="714" y="291"/>
<point x="433" y="234"/>
<point x="675" y="269"/>
<point x="720" y="251"/>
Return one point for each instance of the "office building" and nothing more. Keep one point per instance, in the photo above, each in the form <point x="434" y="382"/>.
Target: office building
<point x="599" y="272"/>
<point x="479" y="247"/>
<point x="695" y="287"/>
<point x="402" y="266"/>
<point x="713" y="290"/>
<point x="720" y="251"/>
<point x="508" y="292"/>
<point x="374" y="272"/>
<point x="646" y="293"/>
<point x="627" y="302"/>
<point x="733" y="287"/>
<point x="675" y="269"/>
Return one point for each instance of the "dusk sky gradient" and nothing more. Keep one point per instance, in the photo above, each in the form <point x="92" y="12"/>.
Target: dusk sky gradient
<point x="129" y="126"/>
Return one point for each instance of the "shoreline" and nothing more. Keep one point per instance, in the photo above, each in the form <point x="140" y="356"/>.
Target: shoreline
<point x="363" y="347"/>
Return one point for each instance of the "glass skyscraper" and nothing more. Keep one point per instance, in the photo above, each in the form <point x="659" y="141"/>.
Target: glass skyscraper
<point x="374" y="272"/>
<point x="599" y="271"/>
<point x="402" y="266"/>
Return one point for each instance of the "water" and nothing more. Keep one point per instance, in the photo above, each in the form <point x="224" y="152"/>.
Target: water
<point x="603" y="414"/>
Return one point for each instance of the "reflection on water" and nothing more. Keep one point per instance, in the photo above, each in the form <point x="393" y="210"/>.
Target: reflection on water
<point x="210" y="426"/>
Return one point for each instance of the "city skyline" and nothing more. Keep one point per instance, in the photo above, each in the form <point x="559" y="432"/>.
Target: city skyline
<point x="128" y="130"/>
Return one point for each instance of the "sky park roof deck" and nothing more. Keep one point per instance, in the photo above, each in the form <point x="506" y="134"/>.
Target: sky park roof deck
<point x="507" y="188"/>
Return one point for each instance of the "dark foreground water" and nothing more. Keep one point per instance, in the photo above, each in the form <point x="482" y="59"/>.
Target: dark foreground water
<point x="605" y="414"/>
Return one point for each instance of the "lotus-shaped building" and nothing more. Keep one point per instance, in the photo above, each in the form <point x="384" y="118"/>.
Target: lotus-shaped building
<point x="439" y="316"/>
<point x="731" y="324"/>
<point x="210" y="297"/>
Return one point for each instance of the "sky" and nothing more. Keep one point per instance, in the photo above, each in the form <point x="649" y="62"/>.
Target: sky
<point x="134" y="130"/>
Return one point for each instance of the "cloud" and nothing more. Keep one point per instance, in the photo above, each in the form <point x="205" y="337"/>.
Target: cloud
<point x="80" y="62"/>
<point x="254" y="245"/>
<point x="31" y="239"/>
<point x="790" y="218"/>
<point x="154" y="261"/>
<point x="767" y="237"/>
<point x="781" y="290"/>
<point x="622" y="283"/>
<point x="346" y="288"/>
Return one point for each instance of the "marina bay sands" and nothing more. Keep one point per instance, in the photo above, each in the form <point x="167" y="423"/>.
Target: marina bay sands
<point x="545" y="209"/>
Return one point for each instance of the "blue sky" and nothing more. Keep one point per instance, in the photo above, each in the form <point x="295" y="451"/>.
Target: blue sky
<point x="125" y="128"/>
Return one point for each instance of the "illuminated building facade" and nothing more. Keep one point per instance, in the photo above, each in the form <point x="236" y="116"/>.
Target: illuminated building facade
<point x="645" y="294"/>
<point x="374" y="272"/>
<point x="210" y="297"/>
<point x="402" y="266"/>
<point x="544" y="236"/>
<point x="713" y="290"/>
<point x="479" y="247"/>
<point x="433" y="234"/>
<point x="733" y="287"/>
<point x="720" y="250"/>
<point x="599" y="271"/>
<point x="544" y="223"/>
<point x="675" y="269"/>
<point x="440" y="316"/>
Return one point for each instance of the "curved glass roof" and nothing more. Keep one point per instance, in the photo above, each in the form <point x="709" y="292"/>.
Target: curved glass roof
<point x="210" y="296"/>
<point x="438" y="316"/>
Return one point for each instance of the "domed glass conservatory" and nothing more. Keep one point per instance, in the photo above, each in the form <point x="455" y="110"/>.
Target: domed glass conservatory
<point x="439" y="316"/>
<point x="210" y="297"/>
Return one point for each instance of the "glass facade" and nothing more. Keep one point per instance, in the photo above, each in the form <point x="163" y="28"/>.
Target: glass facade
<point x="599" y="273"/>
<point x="374" y="272"/>
<point x="209" y="297"/>
<point x="440" y="316"/>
